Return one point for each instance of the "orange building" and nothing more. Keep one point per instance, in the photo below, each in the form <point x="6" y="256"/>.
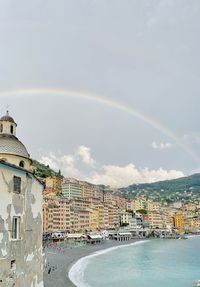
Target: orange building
<point x="179" y="222"/>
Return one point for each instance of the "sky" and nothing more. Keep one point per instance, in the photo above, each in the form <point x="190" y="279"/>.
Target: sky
<point x="105" y="90"/>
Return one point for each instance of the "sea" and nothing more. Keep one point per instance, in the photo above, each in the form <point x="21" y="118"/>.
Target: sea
<point x="149" y="263"/>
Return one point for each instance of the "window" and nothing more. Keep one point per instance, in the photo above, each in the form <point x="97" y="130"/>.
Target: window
<point x="1" y="128"/>
<point x="16" y="184"/>
<point x="11" y="129"/>
<point x="13" y="265"/>
<point x="15" y="227"/>
<point x="21" y="164"/>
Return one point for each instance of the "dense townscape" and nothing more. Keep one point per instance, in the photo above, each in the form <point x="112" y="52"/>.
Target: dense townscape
<point x="100" y="143"/>
<point x="74" y="208"/>
<point x="36" y="200"/>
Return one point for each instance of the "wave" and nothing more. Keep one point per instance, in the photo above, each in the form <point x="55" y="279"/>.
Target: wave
<point x="76" y="272"/>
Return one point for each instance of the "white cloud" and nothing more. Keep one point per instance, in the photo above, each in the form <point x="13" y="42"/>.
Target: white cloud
<point x="65" y="163"/>
<point x="161" y="146"/>
<point x="71" y="165"/>
<point x="85" y="154"/>
<point x="50" y="160"/>
<point x="119" y="176"/>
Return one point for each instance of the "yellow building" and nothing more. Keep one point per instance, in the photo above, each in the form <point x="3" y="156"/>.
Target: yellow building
<point x="94" y="218"/>
<point x="179" y="222"/>
<point x="79" y="220"/>
<point x="139" y="203"/>
<point x="55" y="183"/>
<point x="87" y="189"/>
<point x="150" y="206"/>
<point x="103" y="221"/>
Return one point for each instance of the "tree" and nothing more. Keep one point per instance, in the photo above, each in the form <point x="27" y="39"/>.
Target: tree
<point x="141" y="211"/>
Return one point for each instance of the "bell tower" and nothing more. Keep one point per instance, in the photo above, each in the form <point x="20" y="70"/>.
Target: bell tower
<point x="7" y="125"/>
<point x="12" y="150"/>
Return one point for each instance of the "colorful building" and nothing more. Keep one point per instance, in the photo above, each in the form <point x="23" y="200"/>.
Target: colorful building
<point x="179" y="222"/>
<point x="54" y="183"/>
<point x="155" y="219"/>
<point x="87" y="189"/>
<point x="71" y="188"/>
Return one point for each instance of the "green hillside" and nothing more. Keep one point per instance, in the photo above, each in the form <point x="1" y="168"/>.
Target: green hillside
<point x="185" y="187"/>
<point x="44" y="171"/>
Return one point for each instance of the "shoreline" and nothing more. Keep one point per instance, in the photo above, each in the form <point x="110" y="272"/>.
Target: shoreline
<point x="61" y="261"/>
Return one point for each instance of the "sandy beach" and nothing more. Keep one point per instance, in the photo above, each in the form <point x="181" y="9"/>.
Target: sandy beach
<point x="60" y="261"/>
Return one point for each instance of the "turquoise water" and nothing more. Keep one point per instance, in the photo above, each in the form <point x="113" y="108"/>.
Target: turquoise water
<point x="166" y="263"/>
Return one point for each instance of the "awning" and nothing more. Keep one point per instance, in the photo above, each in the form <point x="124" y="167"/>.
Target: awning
<point x="75" y="235"/>
<point x="95" y="236"/>
<point x="124" y="233"/>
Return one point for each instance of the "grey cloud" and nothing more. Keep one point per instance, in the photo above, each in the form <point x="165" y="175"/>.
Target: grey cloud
<point x="143" y="53"/>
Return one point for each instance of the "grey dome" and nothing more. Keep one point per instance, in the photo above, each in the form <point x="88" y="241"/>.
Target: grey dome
<point x="11" y="145"/>
<point x="7" y="118"/>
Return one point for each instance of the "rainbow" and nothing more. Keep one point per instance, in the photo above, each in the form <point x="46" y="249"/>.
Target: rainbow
<point x="108" y="102"/>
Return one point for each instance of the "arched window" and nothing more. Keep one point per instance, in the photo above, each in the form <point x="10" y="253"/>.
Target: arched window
<point x="21" y="164"/>
<point x="1" y="128"/>
<point x="11" y="129"/>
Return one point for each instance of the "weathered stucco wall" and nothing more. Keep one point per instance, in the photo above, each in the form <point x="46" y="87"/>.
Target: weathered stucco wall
<point x="26" y="251"/>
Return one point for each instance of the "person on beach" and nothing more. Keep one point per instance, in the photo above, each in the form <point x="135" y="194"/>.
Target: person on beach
<point x="49" y="271"/>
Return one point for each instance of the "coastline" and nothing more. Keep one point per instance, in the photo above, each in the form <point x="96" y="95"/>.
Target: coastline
<point x="62" y="262"/>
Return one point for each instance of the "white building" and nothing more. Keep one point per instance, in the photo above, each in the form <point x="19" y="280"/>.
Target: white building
<point x="21" y="260"/>
<point x="71" y="188"/>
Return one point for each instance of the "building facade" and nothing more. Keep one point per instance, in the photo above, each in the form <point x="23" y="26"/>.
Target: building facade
<point x="179" y="222"/>
<point x="71" y="188"/>
<point x="54" y="183"/>
<point x="21" y="260"/>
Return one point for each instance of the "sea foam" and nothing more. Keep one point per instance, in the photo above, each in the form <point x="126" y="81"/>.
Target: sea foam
<point x="76" y="273"/>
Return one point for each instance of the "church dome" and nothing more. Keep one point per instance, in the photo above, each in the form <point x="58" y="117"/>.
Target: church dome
<point x="10" y="144"/>
<point x="7" y="118"/>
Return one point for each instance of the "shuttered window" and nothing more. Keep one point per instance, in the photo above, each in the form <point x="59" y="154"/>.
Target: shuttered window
<point x="15" y="227"/>
<point x="16" y="184"/>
